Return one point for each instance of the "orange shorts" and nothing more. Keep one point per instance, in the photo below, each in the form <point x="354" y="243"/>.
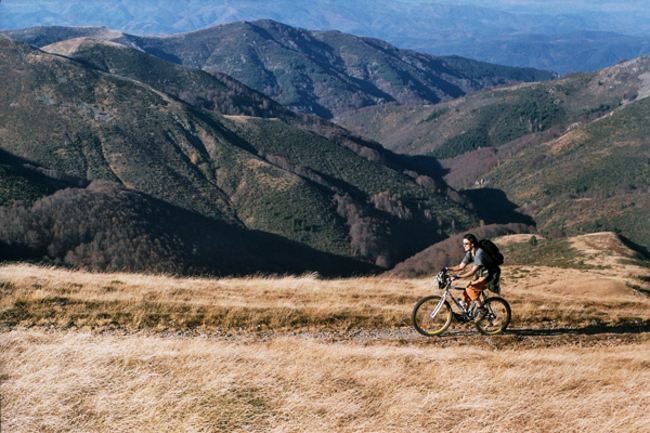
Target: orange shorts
<point x="474" y="289"/>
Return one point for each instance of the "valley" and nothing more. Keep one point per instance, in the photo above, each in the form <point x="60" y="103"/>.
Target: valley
<point x="570" y="154"/>
<point x="382" y="184"/>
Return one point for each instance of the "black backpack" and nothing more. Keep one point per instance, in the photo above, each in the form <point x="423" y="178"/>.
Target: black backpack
<point x="497" y="258"/>
<point x="493" y="251"/>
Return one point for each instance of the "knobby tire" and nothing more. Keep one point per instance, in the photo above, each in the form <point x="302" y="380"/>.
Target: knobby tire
<point x="497" y="318"/>
<point x="427" y="325"/>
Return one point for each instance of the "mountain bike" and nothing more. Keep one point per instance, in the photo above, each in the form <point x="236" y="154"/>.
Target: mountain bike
<point x="433" y="315"/>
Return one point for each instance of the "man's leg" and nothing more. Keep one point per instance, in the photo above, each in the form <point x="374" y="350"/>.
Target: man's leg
<point x="473" y="291"/>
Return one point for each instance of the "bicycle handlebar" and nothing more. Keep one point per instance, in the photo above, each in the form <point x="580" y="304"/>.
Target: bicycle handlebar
<point x="444" y="281"/>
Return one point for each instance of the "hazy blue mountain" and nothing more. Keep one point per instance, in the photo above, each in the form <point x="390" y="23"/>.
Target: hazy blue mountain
<point x="585" y="51"/>
<point x="515" y="33"/>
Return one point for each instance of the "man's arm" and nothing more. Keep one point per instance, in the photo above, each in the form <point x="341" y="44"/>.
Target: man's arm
<point x="458" y="267"/>
<point x="470" y="273"/>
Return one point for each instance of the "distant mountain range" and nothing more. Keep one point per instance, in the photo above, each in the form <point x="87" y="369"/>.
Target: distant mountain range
<point x="560" y="36"/>
<point x="322" y="73"/>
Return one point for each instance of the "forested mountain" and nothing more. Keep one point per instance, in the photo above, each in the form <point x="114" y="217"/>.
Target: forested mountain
<point x="108" y="227"/>
<point x="100" y="120"/>
<point x="494" y="117"/>
<point x="324" y="73"/>
<point x="288" y="175"/>
<point x="569" y="156"/>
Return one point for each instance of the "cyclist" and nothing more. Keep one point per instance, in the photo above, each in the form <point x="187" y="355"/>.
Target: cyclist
<point x="481" y="263"/>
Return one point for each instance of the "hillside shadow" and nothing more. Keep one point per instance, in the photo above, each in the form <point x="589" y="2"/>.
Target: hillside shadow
<point x="642" y="251"/>
<point x="423" y="164"/>
<point x="160" y="53"/>
<point x="493" y="207"/>
<point x="491" y="204"/>
<point x="36" y="173"/>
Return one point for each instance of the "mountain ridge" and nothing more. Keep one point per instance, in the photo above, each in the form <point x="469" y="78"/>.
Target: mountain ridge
<point x="323" y="73"/>
<point x="372" y="205"/>
<point x="493" y="117"/>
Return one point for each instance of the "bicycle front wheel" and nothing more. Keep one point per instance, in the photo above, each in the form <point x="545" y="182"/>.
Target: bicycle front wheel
<point x="431" y="316"/>
<point x="496" y="319"/>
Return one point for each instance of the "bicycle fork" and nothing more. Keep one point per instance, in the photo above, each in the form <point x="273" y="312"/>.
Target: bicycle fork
<point x="435" y="312"/>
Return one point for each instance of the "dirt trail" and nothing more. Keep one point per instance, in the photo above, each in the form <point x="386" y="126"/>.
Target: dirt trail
<point x="457" y="335"/>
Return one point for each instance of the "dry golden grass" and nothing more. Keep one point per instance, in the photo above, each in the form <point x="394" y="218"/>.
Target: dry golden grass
<point x="85" y="352"/>
<point x="79" y="382"/>
<point x="34" y="296"/>
<point x="540" y="297"/>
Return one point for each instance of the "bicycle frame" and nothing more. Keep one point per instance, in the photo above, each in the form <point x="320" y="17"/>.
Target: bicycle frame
<point x="467" y="313"/>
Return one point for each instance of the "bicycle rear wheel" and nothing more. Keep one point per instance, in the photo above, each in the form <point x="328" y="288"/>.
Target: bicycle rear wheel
<point x="431" y="317"/>
<point x="496" y="319"/>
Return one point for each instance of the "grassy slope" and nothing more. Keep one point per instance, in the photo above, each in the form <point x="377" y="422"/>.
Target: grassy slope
<point x="583" y="267"/>
<point x="82" y="382"/>
<point x="155" y="353"/>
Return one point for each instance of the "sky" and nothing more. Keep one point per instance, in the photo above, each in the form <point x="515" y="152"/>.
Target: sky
<point x="31" y="13"/>
<point x="545" y="6"/>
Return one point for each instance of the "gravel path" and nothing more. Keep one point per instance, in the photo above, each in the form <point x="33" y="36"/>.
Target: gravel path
<point x="457" y="335"/>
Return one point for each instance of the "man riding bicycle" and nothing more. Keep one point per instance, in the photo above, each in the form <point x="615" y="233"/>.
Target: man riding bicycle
<point x="433" y="314"/>
<point x="482" y="269"/>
